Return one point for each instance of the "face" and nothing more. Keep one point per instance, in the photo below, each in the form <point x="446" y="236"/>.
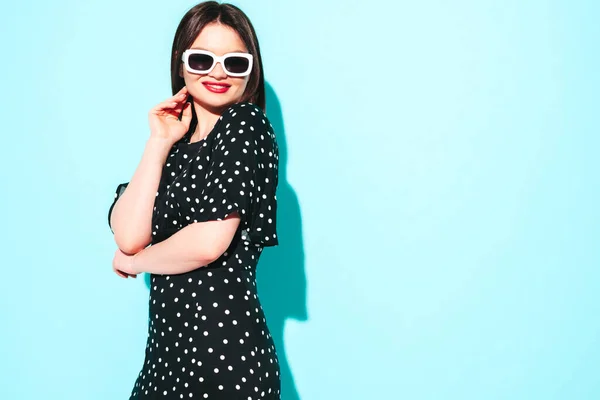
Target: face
<point x="225" y="89"/>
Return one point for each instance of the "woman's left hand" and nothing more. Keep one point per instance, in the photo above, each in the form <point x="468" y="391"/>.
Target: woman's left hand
<point x="123" y="264"/>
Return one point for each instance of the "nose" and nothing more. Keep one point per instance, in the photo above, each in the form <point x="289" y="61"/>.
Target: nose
<point x="218" y="72"/>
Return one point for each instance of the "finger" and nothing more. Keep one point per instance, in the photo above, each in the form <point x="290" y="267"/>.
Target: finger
<point x="121" y="274"/>
<point x="166" y="109"/>
<point x="165" y="106"/>
<point x="179" y="96"/>
<point x="172" y="103"/>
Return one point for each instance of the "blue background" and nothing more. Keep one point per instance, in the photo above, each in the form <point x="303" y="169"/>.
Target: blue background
<point x="439" y="195"/>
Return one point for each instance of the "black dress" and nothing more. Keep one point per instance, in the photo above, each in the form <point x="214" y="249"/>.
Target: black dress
<point x="207" y="333"/>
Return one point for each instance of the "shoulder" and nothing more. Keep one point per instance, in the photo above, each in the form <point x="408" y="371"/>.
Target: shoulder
<point x="248" y="122"/>
<point x="245" y="114"/>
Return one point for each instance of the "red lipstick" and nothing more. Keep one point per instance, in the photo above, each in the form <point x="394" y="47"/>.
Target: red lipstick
<point x="216" y="87"/>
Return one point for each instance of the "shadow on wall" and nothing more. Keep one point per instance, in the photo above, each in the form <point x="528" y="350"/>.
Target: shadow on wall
<point x="281" y="278"/>
<point x="280" y="275"/>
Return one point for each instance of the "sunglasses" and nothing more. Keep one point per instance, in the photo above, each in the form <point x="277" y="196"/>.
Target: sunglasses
<point x="203" y="61"/>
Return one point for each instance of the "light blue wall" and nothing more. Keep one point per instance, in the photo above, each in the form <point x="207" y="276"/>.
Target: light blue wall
<point x="439" y="207"/>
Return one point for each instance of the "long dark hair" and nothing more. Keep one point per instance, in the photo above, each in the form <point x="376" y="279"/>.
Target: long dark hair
<point x="190" y="27"/>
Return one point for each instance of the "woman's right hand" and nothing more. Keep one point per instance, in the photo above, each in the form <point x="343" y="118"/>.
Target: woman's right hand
<point x="164" y="117"/>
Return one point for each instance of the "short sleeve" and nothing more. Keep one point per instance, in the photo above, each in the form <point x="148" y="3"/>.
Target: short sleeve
<point x="243" y="173"/>
<point x="120" y="189"/>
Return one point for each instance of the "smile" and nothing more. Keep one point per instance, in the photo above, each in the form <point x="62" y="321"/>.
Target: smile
<point x="216" y="88"/>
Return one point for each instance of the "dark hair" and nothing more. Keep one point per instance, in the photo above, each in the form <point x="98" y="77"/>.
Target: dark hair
<point x="190" y="27"/>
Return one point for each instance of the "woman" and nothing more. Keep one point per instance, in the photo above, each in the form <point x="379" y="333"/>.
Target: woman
<point x="203" y="196"/>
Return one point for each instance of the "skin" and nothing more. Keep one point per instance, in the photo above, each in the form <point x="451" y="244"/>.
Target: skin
<point x="197" y="244"/>
<point x="219" y="39"/>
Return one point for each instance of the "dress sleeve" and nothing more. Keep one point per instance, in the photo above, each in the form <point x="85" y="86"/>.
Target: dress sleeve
<point x="243" y="173"/>
<point x="118" y="193"/>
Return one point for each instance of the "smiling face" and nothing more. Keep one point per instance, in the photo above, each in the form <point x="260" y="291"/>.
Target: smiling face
<point x="216" y="89"/>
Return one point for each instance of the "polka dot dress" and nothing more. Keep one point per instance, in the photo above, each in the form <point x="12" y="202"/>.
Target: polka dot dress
<point x="207" y="333"/>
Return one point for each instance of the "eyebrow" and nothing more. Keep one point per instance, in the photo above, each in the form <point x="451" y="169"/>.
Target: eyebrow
<point x="234" y="51"/>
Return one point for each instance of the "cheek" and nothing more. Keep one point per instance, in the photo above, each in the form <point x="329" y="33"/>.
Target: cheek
<point x="190" y="78"/>
<point x="192" y="83"/>
<point x="242" y="85"/>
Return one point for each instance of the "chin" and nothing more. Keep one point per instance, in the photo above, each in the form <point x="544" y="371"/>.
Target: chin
<point x="217" y="102"/>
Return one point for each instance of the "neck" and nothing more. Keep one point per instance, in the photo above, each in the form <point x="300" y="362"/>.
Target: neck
<point x="207" y="118"/>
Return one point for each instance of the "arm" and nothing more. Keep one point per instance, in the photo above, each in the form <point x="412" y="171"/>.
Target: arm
<point x="240" y="149"/>
<point x="194" y="246"/>
<point x="131" y="217"/>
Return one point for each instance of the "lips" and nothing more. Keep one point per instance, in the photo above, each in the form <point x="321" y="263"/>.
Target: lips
<point x="216" y="87"/>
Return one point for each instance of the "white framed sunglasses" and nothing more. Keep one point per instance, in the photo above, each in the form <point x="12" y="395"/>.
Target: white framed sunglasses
<point x="198" y="61"/>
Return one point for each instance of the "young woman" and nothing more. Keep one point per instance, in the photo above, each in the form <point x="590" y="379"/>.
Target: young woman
<point x="203" y="197"/>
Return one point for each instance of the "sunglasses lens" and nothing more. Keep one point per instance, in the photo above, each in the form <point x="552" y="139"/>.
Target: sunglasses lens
<point x="200" y="62"/>
<point x="236" y="64"/>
